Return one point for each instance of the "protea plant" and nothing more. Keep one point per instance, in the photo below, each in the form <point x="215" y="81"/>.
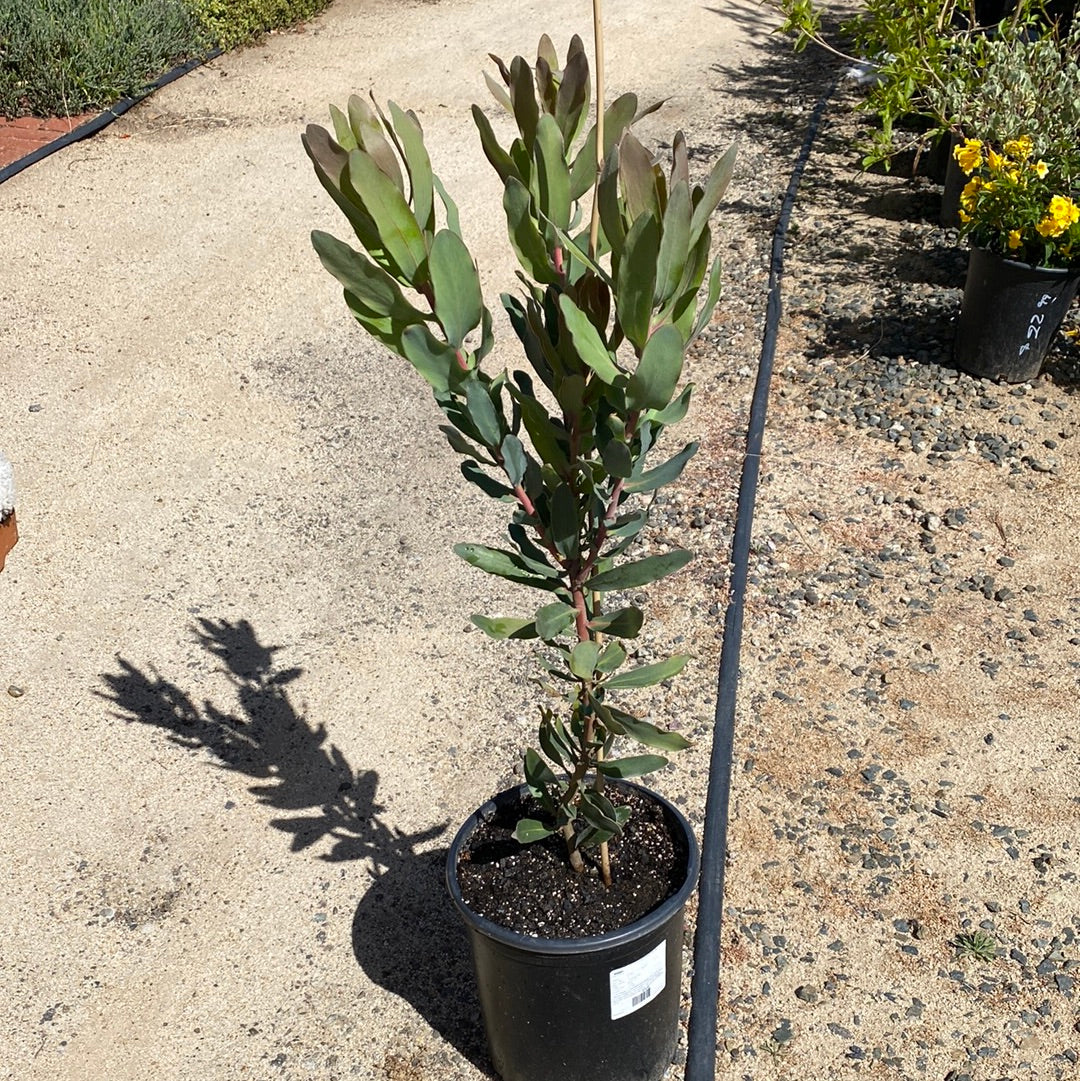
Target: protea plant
<point x="607" y="310"/>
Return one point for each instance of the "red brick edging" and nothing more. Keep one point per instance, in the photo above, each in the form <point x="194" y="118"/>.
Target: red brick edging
<point x="26" y="134"/>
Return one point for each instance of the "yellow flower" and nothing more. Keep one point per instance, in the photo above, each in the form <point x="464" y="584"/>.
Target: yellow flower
<point x="1065" y="210"/>
<point x="1041" y="169"/>
<point x="969" y="156"/>
<point x="1060" y="214"/>
<point x="971" y="189"/>
<point x="964" y="216"/>
<point x="1014" y="239"/>
<point x="1020" y="148"/>
<point x="995" y="160"/>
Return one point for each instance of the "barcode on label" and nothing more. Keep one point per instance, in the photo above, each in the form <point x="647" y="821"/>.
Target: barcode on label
<point x="633" y="985"/>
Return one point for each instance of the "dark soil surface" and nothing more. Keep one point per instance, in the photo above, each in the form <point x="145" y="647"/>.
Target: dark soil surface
<point x="532" y="889"/>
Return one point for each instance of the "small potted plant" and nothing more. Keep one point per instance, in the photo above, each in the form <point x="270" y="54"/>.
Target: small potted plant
<point x="1002" y="87"/>
<point x="9" y="533"/>
<point x="573" y="886"/>
<point x="1019" y="211"/>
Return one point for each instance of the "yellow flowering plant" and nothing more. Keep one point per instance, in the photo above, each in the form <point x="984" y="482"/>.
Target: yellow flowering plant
<point x="1017" y="205"/>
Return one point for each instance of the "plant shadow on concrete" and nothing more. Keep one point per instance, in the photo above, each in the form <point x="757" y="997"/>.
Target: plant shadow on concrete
<point x="298" y="772"/>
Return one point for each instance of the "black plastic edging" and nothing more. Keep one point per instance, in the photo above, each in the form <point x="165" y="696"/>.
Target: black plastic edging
<point x="704" y="984"/>
<point x="103" y="119"/>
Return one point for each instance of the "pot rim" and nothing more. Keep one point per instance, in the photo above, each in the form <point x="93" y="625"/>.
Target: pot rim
<point x="631" y="932"/>
<point x="1057" y="271"/>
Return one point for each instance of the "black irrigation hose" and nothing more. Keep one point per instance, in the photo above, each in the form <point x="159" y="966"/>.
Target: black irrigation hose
<point x="103" y="119"/>
<point x="704" y="985"/>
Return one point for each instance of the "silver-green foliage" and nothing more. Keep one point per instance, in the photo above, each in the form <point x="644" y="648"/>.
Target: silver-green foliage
<point x="1002" y="88"/>
<point x="912" y="45"/>
<point x="564" y="444"/>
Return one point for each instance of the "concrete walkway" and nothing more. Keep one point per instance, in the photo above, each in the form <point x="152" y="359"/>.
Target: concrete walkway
<point x="245" y="708"/>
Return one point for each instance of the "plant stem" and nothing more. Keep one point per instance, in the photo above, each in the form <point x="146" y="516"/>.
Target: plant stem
<point x="598" y="41"/>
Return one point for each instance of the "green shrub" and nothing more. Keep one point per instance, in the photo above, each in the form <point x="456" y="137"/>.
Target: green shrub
<point x="229" y="23"/>
<point x="63" y="57"/>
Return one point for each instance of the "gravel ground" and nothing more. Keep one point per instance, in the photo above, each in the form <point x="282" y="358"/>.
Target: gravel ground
<point x="902" y="895"/>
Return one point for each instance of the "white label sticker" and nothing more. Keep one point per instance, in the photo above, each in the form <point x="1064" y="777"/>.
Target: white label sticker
<point x="636" y="984"/>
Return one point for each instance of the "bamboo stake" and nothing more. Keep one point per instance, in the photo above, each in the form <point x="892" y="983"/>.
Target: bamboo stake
<point x="598" y="43"/>
<point x="594" y="241"/>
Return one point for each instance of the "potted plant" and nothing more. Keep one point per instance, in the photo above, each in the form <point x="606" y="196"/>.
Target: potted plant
<point x="9" y="533"/>
<point x="905" y="54"/>
<point x="582" y="983"/>
<point x="1005" y="87"/>
<point x="1019" y="211"/>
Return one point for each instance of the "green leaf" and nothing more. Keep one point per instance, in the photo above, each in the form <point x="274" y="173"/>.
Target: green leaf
<point x="648" y="734"/>
<point x="715" y="284"/>
<point x="545" y="51"/>
<point x="565" y="522"/>
<point x="653" y="383"/>
<point x="498" y="92"/>
<point x="482" y="412"/>
<point x="625" y="623"/>
<point x="526" y="111"/>
<point x="430" y="357"/>
<point x="514" y="458"/>
<point x="635" y="279"/>
<point x="628" y="525"/>
<point x="342" y="132"/>
<point x="368" y="135"/>
<point x="501" y="162"/>
<point x="599" y="811"/>
<point x="453" y="220"/>
<point x="458" y="303"/>
<point x="502" y="627"/>
<point x="460" y="443"/>
<point x="537" y="773"/>
<point x="572" y="101"/>
<point x="487" y="484"/>
<point x="616" y="459"/>
<point x="715" y="187"/>
<point x="527" y="241"/>
<point x="586" y="340"/>
<point x="555" y="741"/>
<point x="637" y="178"/>
<point x="361" y="277"/>
<point x="553" y="619"/>
<point x="647" y="675"/>
<point x="631" y="766"/>
<point x="547" y="438"/>
<point x="652" y="479"/>
<point x="641" y="572"/>
<point x="529" y="830"/>
<point x="612" y="659"/>
<point x="680" y="161"/>
<point x="397" y="228"/>
<point x="674" y="412"/>
<point x="505" y="565"/>
<point x="607" y="194"/>
<point x="674" y="244"/>
<point x="524" y="543"/>
<point x="553" y="176"/>
<point x="418" y="163"/>
<point x="330" y="162"/>
<point x="583" y="659"/>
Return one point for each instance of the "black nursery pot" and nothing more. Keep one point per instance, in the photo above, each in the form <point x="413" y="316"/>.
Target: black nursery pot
<point x="1010" y="314"/>
<point x="602" y="1008"/>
